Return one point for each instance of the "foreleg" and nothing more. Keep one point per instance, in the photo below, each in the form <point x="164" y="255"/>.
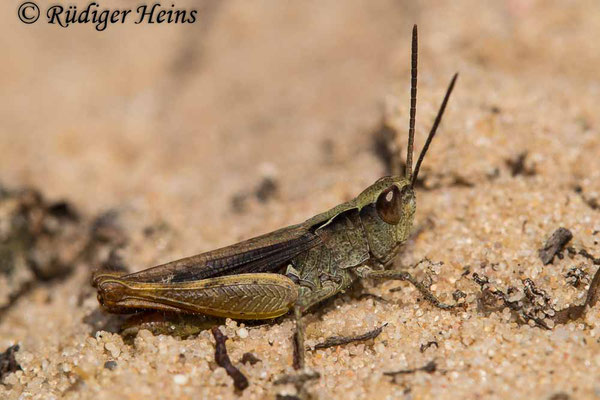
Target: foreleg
<point x="406" y="276"/>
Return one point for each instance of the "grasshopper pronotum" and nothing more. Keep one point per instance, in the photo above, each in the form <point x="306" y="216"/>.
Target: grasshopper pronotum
<point x="293" y="268"/>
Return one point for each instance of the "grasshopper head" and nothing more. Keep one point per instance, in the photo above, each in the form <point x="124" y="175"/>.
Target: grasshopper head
<point x="394" y="202"/>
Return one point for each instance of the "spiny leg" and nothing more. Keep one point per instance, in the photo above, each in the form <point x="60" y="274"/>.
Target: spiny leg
<point x="405" y="276"/>
<point x="298" y="339"/>
<point x="306" y="300"/>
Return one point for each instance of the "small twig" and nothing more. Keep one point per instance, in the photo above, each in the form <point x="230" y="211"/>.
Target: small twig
<point x="333" y="341"/>
<point x="298" y="379"/>
<point x="590" y="257"/>
<point x="430" y="368"/>
<point x="240" y="382"/>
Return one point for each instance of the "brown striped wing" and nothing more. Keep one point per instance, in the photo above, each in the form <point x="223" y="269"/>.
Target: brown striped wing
<point x="266" y="253"/>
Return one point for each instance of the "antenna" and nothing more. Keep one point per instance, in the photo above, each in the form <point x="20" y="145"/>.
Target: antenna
<point x="436" y="123"/>
<point x="413" y="103"/>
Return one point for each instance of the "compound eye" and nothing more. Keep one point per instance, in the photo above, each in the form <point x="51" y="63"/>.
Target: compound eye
<point x="389" y="205"/>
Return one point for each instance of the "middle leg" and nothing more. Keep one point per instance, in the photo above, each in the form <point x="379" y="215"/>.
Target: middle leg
<point x="309" y="296"/>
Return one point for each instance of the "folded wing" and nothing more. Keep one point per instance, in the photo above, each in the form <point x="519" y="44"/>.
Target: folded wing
<point x="266" y="253"/>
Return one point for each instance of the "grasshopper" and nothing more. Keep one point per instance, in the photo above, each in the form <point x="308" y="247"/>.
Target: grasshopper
<point x="294" y="268"/>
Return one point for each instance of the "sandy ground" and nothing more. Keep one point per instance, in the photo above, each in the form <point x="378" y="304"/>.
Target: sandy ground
<point x="176" y="126"/>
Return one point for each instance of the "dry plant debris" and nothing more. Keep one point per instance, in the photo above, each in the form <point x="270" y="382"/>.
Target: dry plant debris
<point x="240" y="382"/>
<point x="333" y="341"/>
<point x="39" y="242"/>
<point x="555" y="244"/>
<point x="300" y="378"/>
<point x="249" y="358"/>
<point x="430" y="368"/>
<point x="427" y="345"/>
<point x="533" y="305"/>
<point x="8" y="363"/>
<point x="518" y="166"/>
<point x="299" y="381"/>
